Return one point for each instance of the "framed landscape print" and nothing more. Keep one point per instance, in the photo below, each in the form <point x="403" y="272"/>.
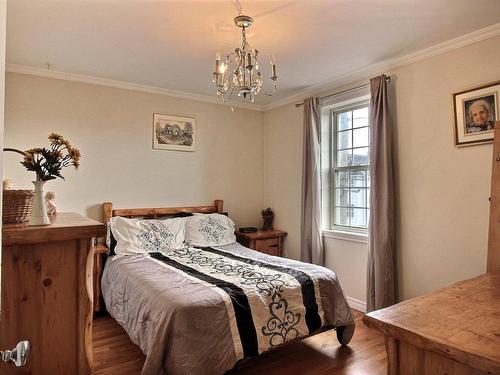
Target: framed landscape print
<point x="173" y="132"/>
<point x="475" y="113"/>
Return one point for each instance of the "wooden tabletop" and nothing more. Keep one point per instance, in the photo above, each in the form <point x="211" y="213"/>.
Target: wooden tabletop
<point x="64" y="226"/>
<point x="262" y="234"/>
<point x="461" y="322"/>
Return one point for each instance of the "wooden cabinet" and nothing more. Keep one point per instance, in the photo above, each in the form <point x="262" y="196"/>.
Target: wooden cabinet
<point x="265" y="241"/>
<point x="47" y="294"/>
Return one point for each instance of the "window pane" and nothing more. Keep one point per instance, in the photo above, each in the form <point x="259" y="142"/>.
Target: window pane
<point x="341" y="216"/>
<point x="351" y="158"/>
<point x="360" y="117"/>
<point x="360" y="156"/>
<point x="344" y="158"/>
<point x="344" y="120"/>
<point x="358" y="197"/>
<point x="358" y="178"/>
<point x="344" y="139"/>
<point x="360" y="137"/>
<point x="342" y="179"/>
<point x="359" y="218"/>
<point x="368" y="198"/>
<point x="342" y="197"/>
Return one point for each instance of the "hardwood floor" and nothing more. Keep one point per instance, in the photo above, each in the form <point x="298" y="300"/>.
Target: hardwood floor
<point x="114" y="354"/>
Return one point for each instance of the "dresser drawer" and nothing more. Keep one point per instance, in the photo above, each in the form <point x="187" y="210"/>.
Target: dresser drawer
<point x="269" y="246"/>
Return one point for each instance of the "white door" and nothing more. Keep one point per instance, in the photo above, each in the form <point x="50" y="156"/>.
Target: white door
<point x="15" y="356"/>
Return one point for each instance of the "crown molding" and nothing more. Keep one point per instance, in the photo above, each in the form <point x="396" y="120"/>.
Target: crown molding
<point x="49" y="73"/>
<point x="385" y="65"/>
<point x="329" y="84"/>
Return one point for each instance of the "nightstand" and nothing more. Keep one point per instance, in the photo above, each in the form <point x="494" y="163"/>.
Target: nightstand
<point x="266" y="241"/>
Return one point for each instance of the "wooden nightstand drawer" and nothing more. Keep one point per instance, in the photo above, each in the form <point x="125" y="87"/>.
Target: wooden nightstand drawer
<point x="268" y="242"/>
<point x="269" y="246"/>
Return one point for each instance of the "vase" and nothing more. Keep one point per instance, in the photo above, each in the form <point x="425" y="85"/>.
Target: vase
<point x="39" y="210"/>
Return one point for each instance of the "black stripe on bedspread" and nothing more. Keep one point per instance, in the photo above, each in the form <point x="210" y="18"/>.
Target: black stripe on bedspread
<point x="313" y="320"/>
<point x="242" y="311"/>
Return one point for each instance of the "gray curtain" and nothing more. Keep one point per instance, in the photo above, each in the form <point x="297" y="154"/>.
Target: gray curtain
<point x="381" y="281"/>
<point x="311" y="240"/>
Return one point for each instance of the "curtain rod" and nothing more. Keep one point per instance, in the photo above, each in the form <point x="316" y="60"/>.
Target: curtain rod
<point x="387" y="79"/>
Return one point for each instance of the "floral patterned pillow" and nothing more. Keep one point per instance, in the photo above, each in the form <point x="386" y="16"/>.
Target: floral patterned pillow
<point x="204" y="230"/>
<point x="146" y="236"/>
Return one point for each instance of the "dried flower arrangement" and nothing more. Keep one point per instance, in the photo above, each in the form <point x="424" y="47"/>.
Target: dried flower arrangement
<point x="48" y="162"/>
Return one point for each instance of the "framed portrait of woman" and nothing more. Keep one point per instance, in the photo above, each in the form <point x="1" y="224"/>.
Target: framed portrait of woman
<point x="475" y="112"/>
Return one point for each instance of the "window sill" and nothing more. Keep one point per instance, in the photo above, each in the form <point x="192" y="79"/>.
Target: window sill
<point x="346" y="236"/>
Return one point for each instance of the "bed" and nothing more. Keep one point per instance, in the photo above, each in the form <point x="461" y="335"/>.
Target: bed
<point x="204" y="310"/>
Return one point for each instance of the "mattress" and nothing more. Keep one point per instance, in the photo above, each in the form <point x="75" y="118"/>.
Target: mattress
<point x="202" y="310"/>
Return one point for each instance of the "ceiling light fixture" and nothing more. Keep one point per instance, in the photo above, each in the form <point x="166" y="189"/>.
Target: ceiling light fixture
<point x="239" y="71"/>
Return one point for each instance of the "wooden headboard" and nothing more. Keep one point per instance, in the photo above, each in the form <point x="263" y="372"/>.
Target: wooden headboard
<point x="101" y="250"/>
<point x="108" y="212"/>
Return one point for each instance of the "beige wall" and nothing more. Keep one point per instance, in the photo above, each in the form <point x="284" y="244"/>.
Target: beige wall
<point x="443" y="191"/>
<point x="113" y="129"/>
<point x="283" y="171"/>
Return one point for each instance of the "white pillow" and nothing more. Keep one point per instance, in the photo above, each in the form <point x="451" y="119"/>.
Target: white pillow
<point x="146" y="236"/>
<point x="206" y="230"/>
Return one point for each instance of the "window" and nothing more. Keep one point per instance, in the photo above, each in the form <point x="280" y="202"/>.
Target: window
<point x="350" y="172"/>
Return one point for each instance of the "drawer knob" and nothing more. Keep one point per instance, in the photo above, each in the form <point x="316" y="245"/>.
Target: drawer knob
<point x="18" y="355"/>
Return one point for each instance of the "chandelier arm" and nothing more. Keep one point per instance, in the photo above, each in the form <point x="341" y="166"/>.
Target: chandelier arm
<point x="225" y="97"/>
<point x="267" y="93"/>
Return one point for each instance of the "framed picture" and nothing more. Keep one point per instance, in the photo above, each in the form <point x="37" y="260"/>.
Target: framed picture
<point x="173" y="133"/>
<point x="475" y="113"/>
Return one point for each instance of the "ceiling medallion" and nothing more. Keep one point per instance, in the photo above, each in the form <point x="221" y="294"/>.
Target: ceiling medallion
<point x="239" y="71"/>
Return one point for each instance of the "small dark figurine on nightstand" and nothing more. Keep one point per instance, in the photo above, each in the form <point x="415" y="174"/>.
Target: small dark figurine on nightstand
<point x="268" y="217"/>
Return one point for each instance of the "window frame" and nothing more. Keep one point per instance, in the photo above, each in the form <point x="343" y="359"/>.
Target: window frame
<point x="344" y="229"/>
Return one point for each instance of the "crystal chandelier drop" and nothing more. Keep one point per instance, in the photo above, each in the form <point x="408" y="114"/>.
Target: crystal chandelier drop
<point x="239" y="71"/>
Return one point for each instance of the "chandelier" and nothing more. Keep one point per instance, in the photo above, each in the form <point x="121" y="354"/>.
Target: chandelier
<point x="239" y="71"/>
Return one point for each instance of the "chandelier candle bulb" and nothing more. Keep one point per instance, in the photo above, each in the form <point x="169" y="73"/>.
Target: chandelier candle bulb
<point x="273" y="67"/>
<point x="222" y="68"/>
<point x="217" y="62"/>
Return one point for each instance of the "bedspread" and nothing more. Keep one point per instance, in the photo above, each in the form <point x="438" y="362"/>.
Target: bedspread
<point x="201" y="310"/>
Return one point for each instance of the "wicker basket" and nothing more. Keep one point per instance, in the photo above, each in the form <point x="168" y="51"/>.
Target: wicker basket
<point x="17" y="206"/>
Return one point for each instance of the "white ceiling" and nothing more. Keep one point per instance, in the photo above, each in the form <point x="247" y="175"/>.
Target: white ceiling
<point x="172" y="44"/>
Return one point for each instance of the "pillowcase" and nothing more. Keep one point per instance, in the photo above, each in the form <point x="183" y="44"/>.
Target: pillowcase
<point x="134" y="236"/>
<point x="205" y="230"/>
<point x="111" y="241"/>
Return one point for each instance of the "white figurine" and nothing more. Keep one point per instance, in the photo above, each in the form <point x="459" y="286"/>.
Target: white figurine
<point x="49" y="202"/>
<point x="7" y="184"/>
